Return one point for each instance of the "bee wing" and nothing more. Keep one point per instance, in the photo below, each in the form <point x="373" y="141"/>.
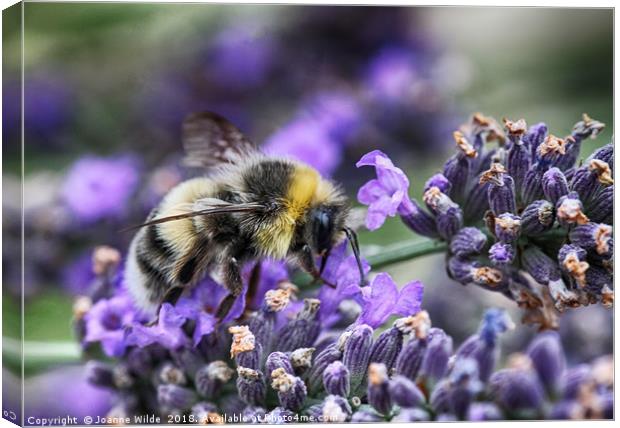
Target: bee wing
<point x="208" y="206"/>
<point x="209" y="140"/>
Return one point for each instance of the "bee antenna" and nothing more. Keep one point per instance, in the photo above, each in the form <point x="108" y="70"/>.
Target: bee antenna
<point x="355" y="246"/>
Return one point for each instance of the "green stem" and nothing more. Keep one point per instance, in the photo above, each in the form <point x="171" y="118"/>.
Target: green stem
<point x="39" y="355"/>
<point x="403" y="251"/>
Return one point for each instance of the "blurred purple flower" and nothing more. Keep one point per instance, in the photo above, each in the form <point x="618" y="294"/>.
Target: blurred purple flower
<point x="107" y="321"/>
<point x="391" y="74"/>
<point x="382" y="299"/>
<point x="65" y="391"/>
<point x="47" y="105"/>
<point x="385" y="194"/>
<point x="168" y="332"/>
<point x="338" y="112"/>
<point x="241" y="56"/>
<point x="303" y="140"/>
<point x="96" y="188"/>
<point x="78" y="274"/>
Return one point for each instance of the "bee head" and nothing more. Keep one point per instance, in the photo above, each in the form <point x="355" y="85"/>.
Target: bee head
<point x="324" y="227"/>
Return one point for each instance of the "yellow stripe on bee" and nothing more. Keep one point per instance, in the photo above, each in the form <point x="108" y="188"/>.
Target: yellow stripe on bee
<point x="301" y="191"/>
<point x="275" y="237"/>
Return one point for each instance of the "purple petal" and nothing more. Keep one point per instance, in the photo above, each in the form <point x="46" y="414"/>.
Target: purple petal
<point x="391" y="177"/>
<point x="370" y="159"/>
<point x="205" y="324"/>
<point x="238" y="307"/>
<point x="410" y="299"/>
<point x="169" y="317"/>
<point x="380" y="304"/>
<point x="370" y="192"/>
<point x="378" y="212"/>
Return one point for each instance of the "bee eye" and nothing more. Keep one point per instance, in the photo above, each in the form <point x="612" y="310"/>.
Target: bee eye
<point x="322" y="229"/>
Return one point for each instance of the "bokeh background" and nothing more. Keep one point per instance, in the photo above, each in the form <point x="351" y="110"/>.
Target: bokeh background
<point x="107" y="86"/>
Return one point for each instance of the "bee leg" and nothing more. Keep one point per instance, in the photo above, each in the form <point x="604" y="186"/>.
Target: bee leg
<point x="306" y="261"/>
<point x="171" y="296"/>
<point x="253" y="282"/>
<point x="232" y="281"/>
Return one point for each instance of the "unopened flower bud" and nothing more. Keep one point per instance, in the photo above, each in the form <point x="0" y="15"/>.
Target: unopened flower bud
<point x="548" y="359"/>
<point x="515" y="389"/>
<point x="438" y="351"/>
<point x="321" y="361"/>
<point x="534" y="137"/>
<point x="211" y="377"/>
<point x="601" y="207"/>
<point x="356" y="353"/>
<point x="532" y="188"/>
<point x="175" y="397"/>
<point x="277" y="360"/>
<point x="410" y="358"/>
<point x="336" y="379"/>
<point x="552" y="150"/>
<point x="386" y="348"/>
<point x="302" y="331"/>
<point x="467" y="242"/>
<point x="464" y="386"/>
<point x="518" y="161"/>
<point x="554" y="184"/>
<point x="405" y="393"/>
<point x="593" y="236"/>
<point x="251" y="386"/>
<point x="501" y="191"/>
<point x="291" y="389"/>
<point x="605" y="154"/>
<point x="440" y="181"/>
<point x="542" y="268"/>
<point x="507" y="227"/>
<point x="417" y="219"/>
<point x="244" y="349"/>
<point x="572" y="260"/>
<point x="170" y="373"/>
<point x="476" y="202"/>
<point x="378" y="384"/>
<point x="335" y="409"/>
<point x="537" y="217"/>
<point x="456" y="170"/>
<point x="570" y="210"/>
<point x="301" y="359"/>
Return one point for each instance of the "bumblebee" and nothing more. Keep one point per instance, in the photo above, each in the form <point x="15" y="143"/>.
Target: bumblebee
<point x="247" y="206"/>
